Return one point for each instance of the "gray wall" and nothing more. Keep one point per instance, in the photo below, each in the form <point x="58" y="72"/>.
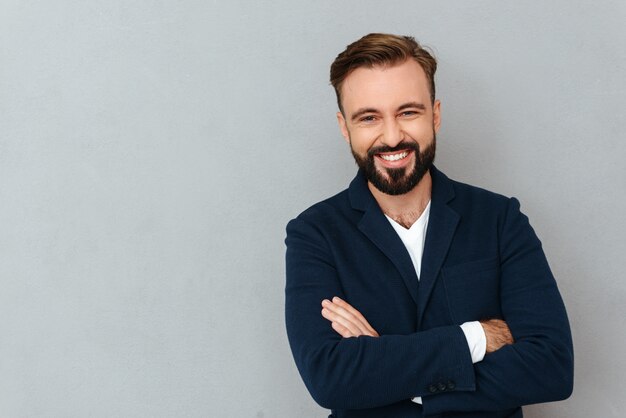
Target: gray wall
<point x="151" y="153"/>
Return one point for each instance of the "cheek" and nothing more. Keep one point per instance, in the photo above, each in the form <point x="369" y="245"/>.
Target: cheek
<point x="421" y="130"/>
<point x="423" y="136"/>
<point x="361" y="142"/>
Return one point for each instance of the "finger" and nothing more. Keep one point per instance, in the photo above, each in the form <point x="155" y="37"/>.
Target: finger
<point x="352" y="328"/>
<point x="334" y="317"/>
<point x="346" y="313"/>
<point x="347" y="317"/>
<point x="341" y="330"/>
<point x="354" y="312"/>
<point x="345" y="305"/>
<point x="357" y="319"/>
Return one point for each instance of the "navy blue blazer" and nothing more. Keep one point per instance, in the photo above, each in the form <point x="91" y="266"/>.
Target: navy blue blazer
<point x="481" y="260"/>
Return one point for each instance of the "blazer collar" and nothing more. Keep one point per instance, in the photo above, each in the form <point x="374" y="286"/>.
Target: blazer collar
<point x="441" y="226"/>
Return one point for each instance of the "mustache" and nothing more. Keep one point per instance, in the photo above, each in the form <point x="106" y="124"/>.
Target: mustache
<point x="400" y="147"/>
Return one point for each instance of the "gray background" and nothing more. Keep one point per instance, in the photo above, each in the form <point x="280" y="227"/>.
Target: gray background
<point x="151" y="153"/>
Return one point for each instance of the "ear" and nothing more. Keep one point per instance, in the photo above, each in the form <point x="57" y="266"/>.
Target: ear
<point x="436" y="115"/>
<point x="343" y="127"/>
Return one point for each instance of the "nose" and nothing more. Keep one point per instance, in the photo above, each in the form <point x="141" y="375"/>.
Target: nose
<point x="392" y="133"/>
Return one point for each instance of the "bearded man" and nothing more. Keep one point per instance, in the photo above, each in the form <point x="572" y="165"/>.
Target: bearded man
<point x="410" y="294"/>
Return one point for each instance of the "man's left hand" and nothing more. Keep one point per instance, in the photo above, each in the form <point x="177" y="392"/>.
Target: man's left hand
<point x="345" y="320"/>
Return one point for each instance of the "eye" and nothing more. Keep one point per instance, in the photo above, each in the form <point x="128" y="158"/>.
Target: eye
<point x="408" y="113"/>
<point x="368" y="118"/>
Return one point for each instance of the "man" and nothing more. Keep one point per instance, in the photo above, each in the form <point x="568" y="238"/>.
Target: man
<point x="436" y="298"/>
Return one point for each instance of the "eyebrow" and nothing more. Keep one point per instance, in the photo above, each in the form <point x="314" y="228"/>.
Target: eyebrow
<point x="361" y="112"/>
<point x="412" y="104"/>
<point x="404" y="106"/>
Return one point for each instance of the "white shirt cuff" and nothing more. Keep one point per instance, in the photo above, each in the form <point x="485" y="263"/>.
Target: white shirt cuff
<point x="417" y="399"/>
<point x="476" y="340"/>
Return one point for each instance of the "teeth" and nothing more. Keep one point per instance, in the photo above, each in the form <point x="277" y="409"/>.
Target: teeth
<point x="394" y="157"/>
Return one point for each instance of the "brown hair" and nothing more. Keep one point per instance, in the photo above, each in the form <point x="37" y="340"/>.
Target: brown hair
<point x="381" y="49"/>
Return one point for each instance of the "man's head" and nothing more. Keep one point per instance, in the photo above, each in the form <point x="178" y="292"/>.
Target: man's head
<point x="388" y="112"/>
<point x="381" y="49"/>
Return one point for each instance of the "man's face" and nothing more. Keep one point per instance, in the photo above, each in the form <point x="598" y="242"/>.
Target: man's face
<point x="390" y="124"/>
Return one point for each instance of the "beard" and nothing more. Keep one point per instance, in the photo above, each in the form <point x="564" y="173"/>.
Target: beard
<point x="397" y="181"/>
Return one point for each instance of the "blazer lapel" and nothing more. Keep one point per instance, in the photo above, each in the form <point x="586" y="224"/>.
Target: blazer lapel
<point x="442" y="224"/>
<point x="377" y="228"/>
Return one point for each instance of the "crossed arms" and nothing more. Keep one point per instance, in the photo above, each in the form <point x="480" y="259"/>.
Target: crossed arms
<point x="376" y="370"/>
<point x="348" y="322"/>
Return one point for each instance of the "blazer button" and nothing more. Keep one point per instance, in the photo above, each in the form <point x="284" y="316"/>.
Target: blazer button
<point x="441" y="386"/>
<point x="432" y="388"/>
<point x="451" y="384"/>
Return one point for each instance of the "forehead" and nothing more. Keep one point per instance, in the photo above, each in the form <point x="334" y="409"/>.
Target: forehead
<point x="382" y="86"/>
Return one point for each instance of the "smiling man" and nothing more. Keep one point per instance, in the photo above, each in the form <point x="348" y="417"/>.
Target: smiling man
<point x="410" y="294"/>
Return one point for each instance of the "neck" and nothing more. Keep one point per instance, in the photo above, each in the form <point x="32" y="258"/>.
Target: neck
<point x="406" y="208"/>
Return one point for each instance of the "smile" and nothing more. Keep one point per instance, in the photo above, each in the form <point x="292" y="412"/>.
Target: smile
<point x="394" y="157"/>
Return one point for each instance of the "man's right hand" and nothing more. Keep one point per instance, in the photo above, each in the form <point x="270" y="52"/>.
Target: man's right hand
<point x="498" y="334"/>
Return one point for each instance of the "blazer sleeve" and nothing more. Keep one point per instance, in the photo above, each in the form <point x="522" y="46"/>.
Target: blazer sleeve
<point x="363" y="372"/>
<point x="538" y="367"/>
